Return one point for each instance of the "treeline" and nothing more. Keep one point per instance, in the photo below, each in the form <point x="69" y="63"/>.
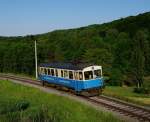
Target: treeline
<point x="122" y="47"/>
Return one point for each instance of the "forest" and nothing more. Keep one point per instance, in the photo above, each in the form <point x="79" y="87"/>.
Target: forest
<point x="122" y="47"/>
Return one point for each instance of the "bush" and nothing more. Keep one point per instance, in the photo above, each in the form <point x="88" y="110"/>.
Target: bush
<point x="142" y="90"/>
<point x="116" y="78"/>
<point x="22" y="105"/>
<point x="14" y="106"/>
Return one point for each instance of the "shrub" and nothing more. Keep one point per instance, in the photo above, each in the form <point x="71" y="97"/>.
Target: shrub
<point x="14" y="106"/>
<point x="22" y="105"/>
<point x="142" y="90"/>
<point x="116" y="78"/>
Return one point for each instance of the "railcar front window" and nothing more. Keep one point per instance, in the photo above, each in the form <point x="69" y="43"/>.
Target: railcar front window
<point x="97" y="73"/>
<point x="88" y="75"/>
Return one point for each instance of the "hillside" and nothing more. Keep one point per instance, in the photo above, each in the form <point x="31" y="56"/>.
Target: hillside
<point x="122" y="47"/>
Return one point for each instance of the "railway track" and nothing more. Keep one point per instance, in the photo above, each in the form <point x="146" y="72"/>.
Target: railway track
<point x="22" y="79"/>
<point x="127" y="109"/>
<point x="140" y="113"/>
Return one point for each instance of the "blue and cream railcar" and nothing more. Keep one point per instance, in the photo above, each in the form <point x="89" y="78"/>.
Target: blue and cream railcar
<point x="77" y="77"/>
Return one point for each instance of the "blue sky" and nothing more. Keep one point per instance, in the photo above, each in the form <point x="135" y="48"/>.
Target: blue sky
<point x="22" y="17"/>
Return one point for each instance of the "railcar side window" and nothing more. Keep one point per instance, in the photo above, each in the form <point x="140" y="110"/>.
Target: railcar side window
<point x="76" y="75"/>
<point x="56" y="72"/>
<point x="45" y="71"/>
<point x="70" y="75"/>
<point x="52" y="72"/>
<point x="80" y="76"/>
<point x="49" y="72"/>
<point x="65" y="74"/>
<point x="97" y="73"/>
<point x="62" y="74"/>
<point x="41" y="70"/>
<point x="88" y="75"/>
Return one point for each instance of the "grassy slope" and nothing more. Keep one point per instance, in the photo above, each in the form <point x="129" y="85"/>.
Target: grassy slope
<point x="44" y="106"/>
<point x="126" y="93"/>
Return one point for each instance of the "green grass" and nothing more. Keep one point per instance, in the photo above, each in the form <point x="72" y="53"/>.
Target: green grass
<point x="26" y="104"/>
<point x="127" y="94"/>
<point x="147" y="82"/>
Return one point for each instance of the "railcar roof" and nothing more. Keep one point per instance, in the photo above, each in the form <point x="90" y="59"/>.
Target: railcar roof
<point x="66" y="65"/>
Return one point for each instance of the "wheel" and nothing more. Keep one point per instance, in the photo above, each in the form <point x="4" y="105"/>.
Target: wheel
<point x="77" y="93"/>
<point x="100" y="91"/>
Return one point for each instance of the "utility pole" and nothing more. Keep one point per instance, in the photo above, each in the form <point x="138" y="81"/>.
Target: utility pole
<point x="36" y="67"/>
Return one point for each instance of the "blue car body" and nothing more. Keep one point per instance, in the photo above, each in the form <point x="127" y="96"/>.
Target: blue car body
<point x="77" y="85"/>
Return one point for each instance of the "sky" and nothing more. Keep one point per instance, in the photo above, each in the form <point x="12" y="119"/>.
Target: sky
<point x="25" y="17"/>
